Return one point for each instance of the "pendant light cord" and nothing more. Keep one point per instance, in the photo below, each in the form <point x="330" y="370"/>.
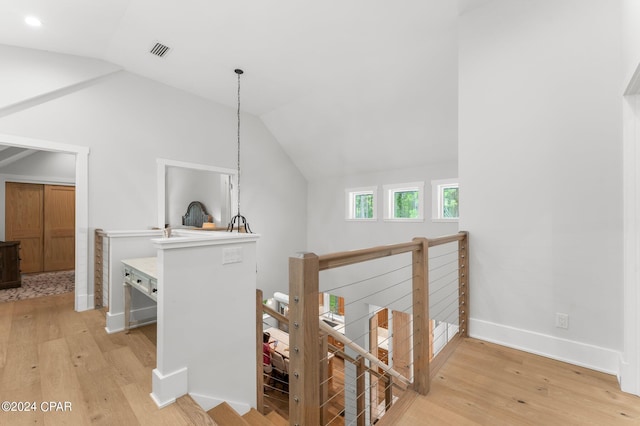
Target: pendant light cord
<point x="241" y="220"/>
<point x="238" y="72"/>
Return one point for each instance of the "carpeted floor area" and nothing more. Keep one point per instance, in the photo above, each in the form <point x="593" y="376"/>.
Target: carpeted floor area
<point x="38" y="285"/>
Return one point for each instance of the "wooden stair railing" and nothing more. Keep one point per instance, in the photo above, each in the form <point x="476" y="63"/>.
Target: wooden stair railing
<point x="305" y="398"/>
<point x="339" y="352"/>
<point x="363" y="353"/>
<point x="306" y="393"/>
<point x="98" y="270"/>
<point x="306" y="331"/>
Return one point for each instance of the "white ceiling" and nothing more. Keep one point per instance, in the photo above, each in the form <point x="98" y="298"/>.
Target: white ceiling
<point x="345" y="86"/>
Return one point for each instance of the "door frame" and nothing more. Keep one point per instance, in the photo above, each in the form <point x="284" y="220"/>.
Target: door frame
<point x="83" y="300"/>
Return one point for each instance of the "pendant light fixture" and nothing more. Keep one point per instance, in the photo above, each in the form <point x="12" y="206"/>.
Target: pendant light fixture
<point x="238" y="220"/>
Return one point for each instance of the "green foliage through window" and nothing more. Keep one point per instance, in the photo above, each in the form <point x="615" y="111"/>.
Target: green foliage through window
<point x="363" y="204"/>
<point x="405" y="204"/>
<point x="450" y="203"/>
<point x="333" y="304"/>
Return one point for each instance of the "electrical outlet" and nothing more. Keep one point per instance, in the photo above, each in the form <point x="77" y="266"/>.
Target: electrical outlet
<point x="562" y="320"/>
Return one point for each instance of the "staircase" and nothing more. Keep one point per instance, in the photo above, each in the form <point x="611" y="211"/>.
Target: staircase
<point x="224" y="415"/>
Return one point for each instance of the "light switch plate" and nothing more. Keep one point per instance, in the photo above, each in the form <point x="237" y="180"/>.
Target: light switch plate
<point x="231" y="255"/>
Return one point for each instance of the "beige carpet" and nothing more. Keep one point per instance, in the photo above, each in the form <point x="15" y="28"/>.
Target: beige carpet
<point x="38" y="285"/>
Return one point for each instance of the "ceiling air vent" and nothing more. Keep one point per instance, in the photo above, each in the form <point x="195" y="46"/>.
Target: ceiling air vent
<point x="159" y="49"/>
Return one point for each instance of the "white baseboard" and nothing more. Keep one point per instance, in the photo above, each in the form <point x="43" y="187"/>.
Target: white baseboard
<point x="84" y="302"/>
<point x="572" y="352"/>
<point x="144" y="316"/>
<point x="166" y="388"/>
<point x="628" y="377"/>
<point x="208" y="402"/>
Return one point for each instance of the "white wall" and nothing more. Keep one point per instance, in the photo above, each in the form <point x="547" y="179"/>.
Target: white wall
<point x="630" y="361"/>
<point x="540" y="159"/>
<point x="128" y="122"/>
<point x="631" y="37"/>
<point x="329" y="231"/>
<point x="202" y="310"/>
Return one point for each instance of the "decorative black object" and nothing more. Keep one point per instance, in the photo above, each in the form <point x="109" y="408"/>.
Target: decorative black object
<point x="196" y="215"/>
<point x="239" y="220"/>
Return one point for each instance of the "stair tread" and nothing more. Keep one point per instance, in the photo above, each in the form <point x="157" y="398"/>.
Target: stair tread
<point x="224" y="415"/>
<point x="277" y="419"/>
<point x="395" y="412"/>
<point x="195" y="413"/>
<point x="255" y="418"/>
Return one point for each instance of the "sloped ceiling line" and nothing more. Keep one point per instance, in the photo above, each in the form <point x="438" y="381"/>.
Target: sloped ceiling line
<point x="54" y="94"/>
<point x="15" y="157"/>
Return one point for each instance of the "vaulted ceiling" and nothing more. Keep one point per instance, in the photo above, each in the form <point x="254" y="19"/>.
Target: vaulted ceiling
<point x="346" y="87"/>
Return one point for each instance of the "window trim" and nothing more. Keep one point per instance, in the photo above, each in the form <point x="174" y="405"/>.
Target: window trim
<point x="389" y="190"/>
<point x="437" y="191"/>
<point x="350" y="194"/>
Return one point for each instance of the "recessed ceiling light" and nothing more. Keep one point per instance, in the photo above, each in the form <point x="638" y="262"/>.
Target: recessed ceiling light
<point x="32" y="21"/>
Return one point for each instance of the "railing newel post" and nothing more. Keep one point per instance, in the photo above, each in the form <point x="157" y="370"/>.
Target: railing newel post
<point x="304" y="383"/>
<point x="463" y="284"/>
<point x="259" y="354"/>
<point x="421" y="344"/>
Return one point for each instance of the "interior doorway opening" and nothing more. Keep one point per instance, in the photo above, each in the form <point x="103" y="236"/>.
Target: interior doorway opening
<point x="83" y="297"/>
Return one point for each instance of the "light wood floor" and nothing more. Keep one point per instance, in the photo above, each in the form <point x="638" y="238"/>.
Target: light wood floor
<point x="487" y="384"/>
<point x="48" y="352"/>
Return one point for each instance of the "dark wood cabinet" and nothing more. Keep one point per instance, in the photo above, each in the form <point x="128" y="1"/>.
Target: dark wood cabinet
<point x="10" y="264"/>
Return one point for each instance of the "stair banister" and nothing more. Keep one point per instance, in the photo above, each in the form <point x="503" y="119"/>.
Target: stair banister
<point x="363" y="353"/>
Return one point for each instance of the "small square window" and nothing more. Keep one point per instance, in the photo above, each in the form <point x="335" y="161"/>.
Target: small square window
<point x="361" y="203"/>
<point x="404" y="202"/>
<point x="446" y="203"/>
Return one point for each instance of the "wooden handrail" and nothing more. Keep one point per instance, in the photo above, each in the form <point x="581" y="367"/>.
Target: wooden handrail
<point x="335" y="260"/>
<point x="277" y="315"/>
<point x="360" y="351"/>
<point x="446" y="239"/>
<point x="339" y="352"/>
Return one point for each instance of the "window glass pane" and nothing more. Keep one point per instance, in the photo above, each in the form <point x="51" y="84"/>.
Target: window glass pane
<point x="333" y="304"/>
<point x="363" y="204"/>
<point x="450" y="203"/>
<point x="406" y="204"/>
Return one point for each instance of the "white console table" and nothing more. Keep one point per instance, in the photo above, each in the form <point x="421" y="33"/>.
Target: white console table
<point x="117" y="246"/>
<point x="140" y="274"/>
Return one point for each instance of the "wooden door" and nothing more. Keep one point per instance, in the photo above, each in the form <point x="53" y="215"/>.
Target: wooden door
<point x="383" y="318"/>
<point x="401" y="324"/>
<point x="42" y="218"/>
<point x="24" y="204"/>
<point x="59" y="227"/>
